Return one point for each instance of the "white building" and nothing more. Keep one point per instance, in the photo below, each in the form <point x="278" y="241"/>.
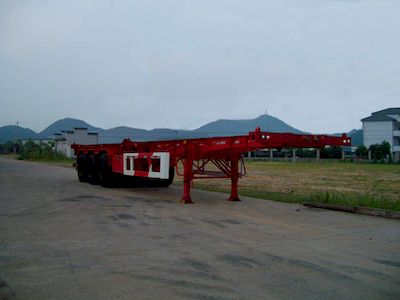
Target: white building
<point x="383" y="125"/>
<point x="65" y="139"/>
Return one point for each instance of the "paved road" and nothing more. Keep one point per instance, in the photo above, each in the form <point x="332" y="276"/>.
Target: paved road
<point x="61" y="239"/>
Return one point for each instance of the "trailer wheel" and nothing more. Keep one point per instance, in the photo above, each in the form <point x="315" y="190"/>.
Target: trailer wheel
<point x="82" y="177"/>
<point x="93" y="173"/>
<point x="105" y="175"/>
<point x="81" y="168"/>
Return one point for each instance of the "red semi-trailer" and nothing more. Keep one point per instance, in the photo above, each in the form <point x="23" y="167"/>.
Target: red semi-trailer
<point x="157" y="161"/>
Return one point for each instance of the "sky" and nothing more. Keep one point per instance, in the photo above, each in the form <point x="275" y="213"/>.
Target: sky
<point x="318" y="65"/>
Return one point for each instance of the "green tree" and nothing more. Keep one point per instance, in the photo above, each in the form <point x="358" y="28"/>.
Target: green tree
<point x="381" y="151"/>
<point x="10" y="147"/>
<point x="362" y="151"/>
<point x="305" y="153"/>
<point x="40" y="151"/>
<point x="331" y="152"/>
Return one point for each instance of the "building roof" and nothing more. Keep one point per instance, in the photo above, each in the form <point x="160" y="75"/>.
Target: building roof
<point x="73" y="131"/>
<point x="378" y="118"/>
<point x="80" y="128"/>
<point x="388" y="111"/>
<point x="383" y="115"/>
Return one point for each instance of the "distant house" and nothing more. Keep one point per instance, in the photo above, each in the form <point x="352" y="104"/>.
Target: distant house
<point x="79" y="135"/>
<point x="383" y="125"/>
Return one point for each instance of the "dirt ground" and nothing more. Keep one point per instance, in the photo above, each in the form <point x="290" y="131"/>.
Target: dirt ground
<point x="61" y="239"/>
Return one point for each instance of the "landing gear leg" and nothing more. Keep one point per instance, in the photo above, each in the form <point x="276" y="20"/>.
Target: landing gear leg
<point x="187" y="181"/>
<point x="234" y="180"/>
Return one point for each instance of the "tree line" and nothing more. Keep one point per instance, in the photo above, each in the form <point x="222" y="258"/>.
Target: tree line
<point x="379" y="152"/>
<point x="31" y="150"/>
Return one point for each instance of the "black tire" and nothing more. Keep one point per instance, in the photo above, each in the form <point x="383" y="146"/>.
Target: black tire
<point x="82" y="177"/>
<point x="105" y="175"/>
<point x="93" y="173"/>
<point x="81" y="167"/>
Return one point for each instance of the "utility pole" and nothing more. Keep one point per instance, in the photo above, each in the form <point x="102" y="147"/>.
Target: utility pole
<point x="17" y="131"/>
<point x="16" y="137"/>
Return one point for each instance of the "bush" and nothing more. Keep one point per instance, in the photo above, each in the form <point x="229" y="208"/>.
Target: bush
<point x="331" y="152"/>
<point x="10" y="147"/>
<point x="305" y="153"/>
<point x="381" y="151"/>
<point x="362" y="152"/>
<point x="39" y="151"/>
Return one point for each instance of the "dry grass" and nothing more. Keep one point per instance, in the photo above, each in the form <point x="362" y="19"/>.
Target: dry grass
<point x="374" y="185"/>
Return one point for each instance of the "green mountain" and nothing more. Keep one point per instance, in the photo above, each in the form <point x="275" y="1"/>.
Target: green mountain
<point x="66" y="124"/>
<point x="13" y="132"/>
<point x="357" y="137"/>
<point x="117" y="134"/>
<point x="216" y="128"/>
<point x="234" y="127"/>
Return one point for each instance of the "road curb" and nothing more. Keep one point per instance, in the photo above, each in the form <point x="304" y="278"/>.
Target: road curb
<point x="376" y="212"/>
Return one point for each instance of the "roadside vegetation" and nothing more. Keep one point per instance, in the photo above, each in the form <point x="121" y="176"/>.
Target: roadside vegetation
<point x="342" y="183"/>
<point x="34" y="151"/>
<point x="42" y="152"/>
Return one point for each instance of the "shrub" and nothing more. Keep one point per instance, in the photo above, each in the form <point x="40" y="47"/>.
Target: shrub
<point x="362" y="151"/>
<point x="381" y="151"/>
<point x="39" y="151"/>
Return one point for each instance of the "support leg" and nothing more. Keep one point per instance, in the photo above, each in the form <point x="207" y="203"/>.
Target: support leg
<point x="234" y="180"/>
<point x="187" y="181"/>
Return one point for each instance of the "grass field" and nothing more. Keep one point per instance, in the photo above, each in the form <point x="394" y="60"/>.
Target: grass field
<point x="353" y="184"/>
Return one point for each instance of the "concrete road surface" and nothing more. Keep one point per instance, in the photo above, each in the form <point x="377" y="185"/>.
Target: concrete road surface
<point x="61" y="239"/>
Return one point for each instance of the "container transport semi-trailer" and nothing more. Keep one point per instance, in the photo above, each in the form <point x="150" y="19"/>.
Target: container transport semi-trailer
<point x="156" y="162"/>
